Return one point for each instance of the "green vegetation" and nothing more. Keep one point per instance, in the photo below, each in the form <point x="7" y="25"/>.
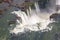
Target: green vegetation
<point x="55" y="30"/>
<point x="4" y="27"/>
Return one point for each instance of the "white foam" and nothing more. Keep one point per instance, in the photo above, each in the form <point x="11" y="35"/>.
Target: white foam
<point x="57" y="2"/>
<point x="32" y="22"/>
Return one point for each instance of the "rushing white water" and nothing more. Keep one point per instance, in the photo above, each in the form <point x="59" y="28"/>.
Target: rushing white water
<point x="32" y="22"/>
<point x="57" y="2"/>
<point x="37" y="7"/>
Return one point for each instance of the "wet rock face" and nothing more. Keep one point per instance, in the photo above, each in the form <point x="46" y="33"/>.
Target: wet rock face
<point x="11" y="22"/>
<point x="43" y="3"/>
<point x="57" y="36"/>
<point x="1" y="13"/>
<point x="4" y="6"/>
<point x="8" y="1"/>
<point x="57" y="7"/>
<point x="55" y="16"/>
<point x="1" y="1"/>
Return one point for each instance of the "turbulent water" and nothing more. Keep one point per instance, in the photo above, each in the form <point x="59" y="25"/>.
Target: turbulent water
<point x="35" y="24"/>
<point x="31" y="22"/>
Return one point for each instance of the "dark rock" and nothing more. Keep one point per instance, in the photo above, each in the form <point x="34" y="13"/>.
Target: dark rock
<point x="43" y="3"/>
<point x="55" y="16"/>
<point x="11" y="22"/>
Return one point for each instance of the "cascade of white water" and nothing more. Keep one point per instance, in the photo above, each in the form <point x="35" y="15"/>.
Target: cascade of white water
<point x="58" y="6"/>
<point x="37" y="7"/>
<point x="30" y="22"/>
<point x="57" y="2"/>
<point x="29" y="11"/>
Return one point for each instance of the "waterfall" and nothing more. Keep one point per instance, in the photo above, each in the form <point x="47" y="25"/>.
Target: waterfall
<point x="57" y="2"/>
<point x="37" y="7"/>
<point x="31" y="22"/>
